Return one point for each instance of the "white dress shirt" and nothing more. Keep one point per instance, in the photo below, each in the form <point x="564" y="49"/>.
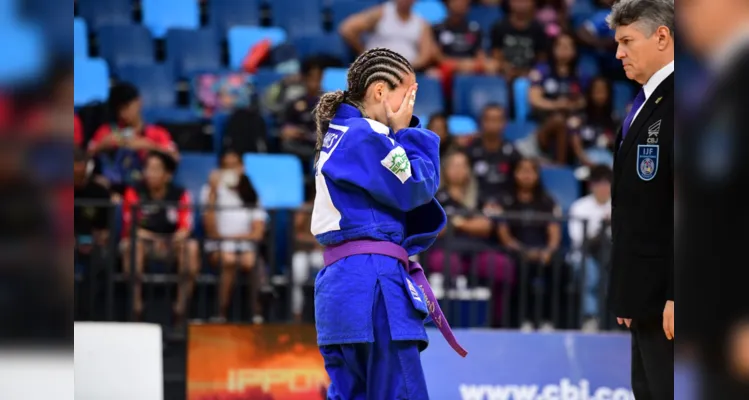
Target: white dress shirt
<point x="729" y="50"/>
<point x="653" y="84"/>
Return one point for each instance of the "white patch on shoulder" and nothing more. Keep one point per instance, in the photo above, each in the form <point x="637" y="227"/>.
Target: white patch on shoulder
<point x="397" y="162"/>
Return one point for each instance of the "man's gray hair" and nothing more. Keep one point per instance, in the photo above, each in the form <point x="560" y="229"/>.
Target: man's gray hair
<point x="649" y="13"/>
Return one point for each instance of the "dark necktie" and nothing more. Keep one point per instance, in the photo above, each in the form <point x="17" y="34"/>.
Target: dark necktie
<point x="639" y="100"/>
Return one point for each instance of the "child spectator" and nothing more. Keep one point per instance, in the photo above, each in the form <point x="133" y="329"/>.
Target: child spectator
<point x="234" y="224"/>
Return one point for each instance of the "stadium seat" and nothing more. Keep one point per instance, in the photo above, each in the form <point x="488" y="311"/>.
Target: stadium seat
<point x="580" y="11"/>
<point x="224" y="14"/>
<point x="473" y="93"/>
<point x="267" y="170"/>
<point x="623" y="94"/>
<point x="516" y="130"/>
<point x="561" y="184"/>
<point x="190" y="51"/>
<point x="242" y="38"/>
<point x="99" y="13"/>
<point x="297" y="17"/>
<point x="24" y="55"/>
<point x="433" y="12"/>
<point x="321" y="43"/>
<point x="429" y="99"/>
<point x="486" y="16"/>
<point x="91" y="80"/>
<point x="334" y="79"/>
<point x="170" y="115"/>
<point x="126" y="45"/>
<point x="520" y="88"/>
<point x="161" y="15"/>
<point x="193" y="172"/>
<point x="342" y="9"/>
<point x="587" y="67"/>
<point x="80" y="38"/>
<point x="461" y="125"/>
<point x="155" y="82"/>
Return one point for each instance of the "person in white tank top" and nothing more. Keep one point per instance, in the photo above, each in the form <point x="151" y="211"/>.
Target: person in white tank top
<point x="394" y="26"/>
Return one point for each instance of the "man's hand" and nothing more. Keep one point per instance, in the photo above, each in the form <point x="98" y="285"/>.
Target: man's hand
<point x="625" y="321"/>
<point x="668" y="320"/>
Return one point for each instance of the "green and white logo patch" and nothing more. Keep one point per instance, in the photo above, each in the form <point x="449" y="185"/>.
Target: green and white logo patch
<point x="397" y="162"/>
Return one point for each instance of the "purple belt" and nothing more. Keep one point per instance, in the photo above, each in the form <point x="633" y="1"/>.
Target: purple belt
<point x="335" y="253"/>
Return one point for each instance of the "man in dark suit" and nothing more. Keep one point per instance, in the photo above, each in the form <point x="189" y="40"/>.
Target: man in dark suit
<point x="713" y="171"/>
<point x="641" y="290"/>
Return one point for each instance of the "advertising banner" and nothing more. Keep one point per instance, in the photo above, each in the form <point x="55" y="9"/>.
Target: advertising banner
<point x="249" y="362"/>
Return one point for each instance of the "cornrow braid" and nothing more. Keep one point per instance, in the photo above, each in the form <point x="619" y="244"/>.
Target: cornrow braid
<point x="374" y="65"/>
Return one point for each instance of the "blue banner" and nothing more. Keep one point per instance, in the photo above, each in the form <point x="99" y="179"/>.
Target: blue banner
<point x="506" y="365"/>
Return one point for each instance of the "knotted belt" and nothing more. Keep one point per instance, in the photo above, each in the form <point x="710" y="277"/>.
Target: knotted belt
<point x="335" y="253"/>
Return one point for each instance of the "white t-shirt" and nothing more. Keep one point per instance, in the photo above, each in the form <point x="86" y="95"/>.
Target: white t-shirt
<point x="232" y="217"/>
<point x="587" y="209"/>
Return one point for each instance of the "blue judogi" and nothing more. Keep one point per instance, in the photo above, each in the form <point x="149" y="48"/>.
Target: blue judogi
<point x="374" y="184"/>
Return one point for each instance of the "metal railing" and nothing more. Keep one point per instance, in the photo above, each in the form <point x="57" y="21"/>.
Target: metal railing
<point x="479" y="282"/>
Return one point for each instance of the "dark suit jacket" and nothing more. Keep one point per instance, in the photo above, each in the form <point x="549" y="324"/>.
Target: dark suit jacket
<point x="641" y="278"/>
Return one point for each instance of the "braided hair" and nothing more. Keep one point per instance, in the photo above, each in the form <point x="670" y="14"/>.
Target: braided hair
<point x="375" y="65"/>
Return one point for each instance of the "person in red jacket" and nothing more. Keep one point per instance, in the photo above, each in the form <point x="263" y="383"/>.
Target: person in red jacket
<point x="158" y="215"/>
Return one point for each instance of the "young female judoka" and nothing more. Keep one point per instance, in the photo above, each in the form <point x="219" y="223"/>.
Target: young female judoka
<point x="376" y="176"/>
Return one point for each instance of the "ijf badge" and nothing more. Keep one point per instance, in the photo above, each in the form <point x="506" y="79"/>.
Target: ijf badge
<point x="647" y="161"/>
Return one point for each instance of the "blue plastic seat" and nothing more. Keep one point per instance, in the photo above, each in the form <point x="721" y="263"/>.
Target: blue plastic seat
<point x="99" y="13"/>
<point x="587" y="67"/>
<point x="473" y="93"/>
<point x="321" y="43"/>
<point x="171" y="115"/>
<point x="277" y="179"/>
<point x="623" y="94"/>
<point x="486" y="16"/>
<point x="161" y="15"/>
<point x="224" y="14"/>
<point x="334" y="79"/>
<point x="516" y="130"/>
<point x="264" y="78"/>
<point x="520" y="88"/>
<point x="91" y="76"/>
<point x="561" y="184"/>
<point x="190" y="51"/>
<point x="193" y="172"/>
<point x="126" y="45"/>
<point x="297" y="17"/>
<point x="461" y="125"/>
<point x="155" y="83"/>
<point x="429" y="98"/>
<point x="80" y="38"/>
<point x="342" y="9"/>
<point x="242" y="38"/>
<point x="433" y="12"/>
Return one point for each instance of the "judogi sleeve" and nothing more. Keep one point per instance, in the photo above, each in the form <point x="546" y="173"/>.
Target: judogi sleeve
<point x="401" y="172"/>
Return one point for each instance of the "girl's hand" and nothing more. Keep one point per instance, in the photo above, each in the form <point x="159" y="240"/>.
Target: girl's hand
<point x="401" y="118"/>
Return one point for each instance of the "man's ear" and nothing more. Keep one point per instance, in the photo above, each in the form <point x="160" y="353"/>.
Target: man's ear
<point x="664" y="37"/>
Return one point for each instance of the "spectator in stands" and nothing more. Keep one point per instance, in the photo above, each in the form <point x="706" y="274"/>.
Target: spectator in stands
<point x="590" y="232"/>
<point x="492" y="158"/>
<point x="594" y="33"/>
<point x="122" y="145"/>
<point x="161" y="230"/>
<point x="553" y="16"/>
<point x="460" y="42"/>
<point x="307" y="260"/>
<point x="535" y="242"/>
<point x="298" y="129"/>
<point x="77" y="132"/>
<point x="459" y="197"/>
<point x="518" y="40"/>
<point x="593" y="132"/>
<point x="554" y="95"/>
<point x="392" y="25"/>
<point x="234" y="224"/>
<point x="438" y="124"/>
<point x="90" y="220"/>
